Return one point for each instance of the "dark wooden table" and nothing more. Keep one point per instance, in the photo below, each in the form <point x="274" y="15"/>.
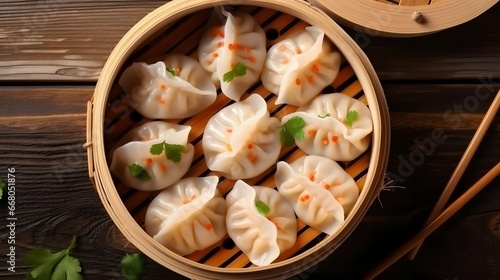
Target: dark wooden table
<point x="51" y="54"/>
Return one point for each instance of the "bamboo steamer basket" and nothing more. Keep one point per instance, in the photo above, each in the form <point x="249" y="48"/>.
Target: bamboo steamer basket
<point x="403" y="18"/>
<point x="176" y="27"/>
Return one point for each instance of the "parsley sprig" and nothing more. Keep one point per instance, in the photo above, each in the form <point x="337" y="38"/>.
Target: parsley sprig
<point x="48" y="265"/>
<point x="351" y="117"/>
<point x="139" y="172"/>
<point x="239" y="69"/>
<point x="133" y="266"/>
<point x="291" y="130"/>
<point x="262" y="208"/>
<point x="173" y="152"/>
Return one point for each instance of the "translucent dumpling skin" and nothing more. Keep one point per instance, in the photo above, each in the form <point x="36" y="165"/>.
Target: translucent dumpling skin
<point x="298" y="68"/>
<point x="260" y="236"/>
<point x="242" y="140"/>
<point x="135" y="165"/>
<point x="173" y="88"/>
<point x="337" y="126"/>
<point x="188" y="216"/>
<point x="239" y="41"/>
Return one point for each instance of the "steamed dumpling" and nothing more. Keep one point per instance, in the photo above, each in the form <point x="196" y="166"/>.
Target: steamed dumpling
<point x="298" y="68"/>
<point x="238" y="44"/>
<point x="313" y="204"/>
<point x="135" y="165"/>
<point x="176" y="87"/>
<point x="329" y="175"/>
<point x="261" y="237"/>
<point x="188" y="216"/>
<point x="337" y="126"/>
<point x="242" y="140"/>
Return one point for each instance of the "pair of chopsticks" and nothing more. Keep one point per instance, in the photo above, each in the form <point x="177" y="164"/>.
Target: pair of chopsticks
<point x="437" y="218"/>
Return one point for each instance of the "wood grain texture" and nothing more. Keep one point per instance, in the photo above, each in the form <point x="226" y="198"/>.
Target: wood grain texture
<point x="413" y="2"/>
<point x="449" y="54"/>
<point x="63" y="40"/>
<point x="56" y="200"/>
<point x="438" y="83"/>
<point x="71" y="40"/>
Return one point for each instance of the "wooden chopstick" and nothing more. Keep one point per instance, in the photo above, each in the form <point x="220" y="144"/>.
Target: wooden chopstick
<point x="443" y="217"/>
<point x="462" y="165"/>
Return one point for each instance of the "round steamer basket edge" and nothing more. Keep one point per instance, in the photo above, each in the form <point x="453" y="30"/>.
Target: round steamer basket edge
<point x="373" y="164"/>
<point x="403" y="18"/>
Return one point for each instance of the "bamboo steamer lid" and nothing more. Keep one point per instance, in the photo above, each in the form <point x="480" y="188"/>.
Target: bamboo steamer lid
<point x="357" y="78"/>
<point x="403" y="18"/>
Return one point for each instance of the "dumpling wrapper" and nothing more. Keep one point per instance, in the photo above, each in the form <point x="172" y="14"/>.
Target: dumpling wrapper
<point x="188" y="216"/>
<point x="158" y="94"/>
<point x="242" y="140"/>
<point x="239" y="40"/>
<point x="261" y="238"/>
<point x="326" y="131"/>
<point x="134" y="147"/>
<point x="314" y="205"/>
<point x="329" y="175"/>
<point x="300" y="67"/>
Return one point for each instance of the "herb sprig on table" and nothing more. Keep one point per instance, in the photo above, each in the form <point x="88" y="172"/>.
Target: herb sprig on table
<point x="47" y="265"/>
<point x="133" y="266"/>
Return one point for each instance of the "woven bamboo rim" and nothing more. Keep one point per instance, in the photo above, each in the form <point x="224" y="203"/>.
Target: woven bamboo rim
<point x="403" y="18"/>
<point x="148" y="28"/>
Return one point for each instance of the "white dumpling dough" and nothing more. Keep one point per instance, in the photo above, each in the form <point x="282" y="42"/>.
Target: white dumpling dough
<point x="188" y="216"/>
<point x="158" y="94"/>
<point x="329" y="175"/>
<point x="299" y="67"/>
<point x="242" y="140"/>
<point x="239" y="40"/>
<point x="313" y="204"/>
<point x="261" y="238"/>
<point x="326" y="131"/>
<point x="134" y="148"/>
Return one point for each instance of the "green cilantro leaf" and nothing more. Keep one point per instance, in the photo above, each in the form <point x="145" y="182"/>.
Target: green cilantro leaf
<point x="2" y="187"/>
<point x="351" y="117"/>
<point x="173" y="152"/>
<point x="133" y="266"/>
<point x="172" y="71"/>
<point x="48" y="265"/>
<point x="139" y="172"/>
<point x="262" y="208"/>
<point x="68" y="267"/>
<point x="291" y="130"/>
<point x="228" y="76"/>
<point x="157" y="149"/>
<point x="325" y="115"/>
<point x="239" y="69"/>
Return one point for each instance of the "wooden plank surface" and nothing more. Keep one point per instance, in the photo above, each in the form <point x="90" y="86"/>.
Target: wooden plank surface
<point x="44" y="144"/>
<point x="70" y="40"/>
<point x="444" y="55"/>
<point x="440" y="84"/>
<point x="63" y="40"/>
